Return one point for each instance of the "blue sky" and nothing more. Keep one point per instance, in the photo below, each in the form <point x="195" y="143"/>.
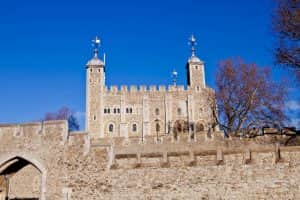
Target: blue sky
<point x="44" y="46"/>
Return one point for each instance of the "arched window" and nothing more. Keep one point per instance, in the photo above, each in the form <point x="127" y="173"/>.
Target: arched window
<point x="127" y="110"/>
<point x="157" y="111"/>
<point x="118" y="110"/>
<point x="157" y="127"/>
<point x="111" y="128"/>
<point x="130" y="110"/>
<point x="178" y="111"/>
<point x="115" y="110"/>
<point x="134" y="127"/>
<point x="108" y="110"/>
<point x="105" y="110"/>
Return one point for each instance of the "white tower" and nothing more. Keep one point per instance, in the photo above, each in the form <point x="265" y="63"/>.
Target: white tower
<point x="95" y="85"/>
<point x="195" y="69"/>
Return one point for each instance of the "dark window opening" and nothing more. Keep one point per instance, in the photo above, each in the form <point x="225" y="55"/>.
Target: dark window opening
<point x="134" y="127"/>
<point x="157" y="127"/>
<point x="111" y="128"/>
<point x="179" y="111"/>
<point x="157" y="111"/>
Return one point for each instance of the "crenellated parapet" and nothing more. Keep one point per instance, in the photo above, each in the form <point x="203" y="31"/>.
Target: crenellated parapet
<point x="124" y="89"/>
<point x="193" y="155"/>
<point x="56" y="130"/>
<point x="47" y="131"/>
<point x="185" y="152"/>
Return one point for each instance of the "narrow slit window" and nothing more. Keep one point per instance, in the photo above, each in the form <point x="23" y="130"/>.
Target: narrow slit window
<point x="157" y="111"/>
<point x="179" y="111"/>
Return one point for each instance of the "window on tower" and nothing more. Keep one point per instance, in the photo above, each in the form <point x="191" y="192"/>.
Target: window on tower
<point x="179" y="111"/>
<point x="157" y="127"/>
<point x="111" y="128"/>
<point x="157" y="111"/>
<point x="134" y="127"/>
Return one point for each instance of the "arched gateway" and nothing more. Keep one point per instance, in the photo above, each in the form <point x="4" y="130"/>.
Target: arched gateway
<point x="22" y="177"/>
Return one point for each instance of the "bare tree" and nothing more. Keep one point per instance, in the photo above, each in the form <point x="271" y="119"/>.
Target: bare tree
<point x="246" y="97"/>
<point x="286" y="24"/>
<point x="64" y="113"/>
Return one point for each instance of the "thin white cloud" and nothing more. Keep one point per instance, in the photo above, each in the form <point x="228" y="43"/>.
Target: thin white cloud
<point x="293" y="105"/>
<point x="79" y="115"/>
<point x="295" y="122"/>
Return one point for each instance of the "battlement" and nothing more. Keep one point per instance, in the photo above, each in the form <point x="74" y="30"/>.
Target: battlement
<point x="51" y="130"/>
<point x="143" y="89"/>
<point x="192" y="154"/>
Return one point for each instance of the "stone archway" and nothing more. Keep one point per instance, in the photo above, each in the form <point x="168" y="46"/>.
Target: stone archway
<point x="14" y="166"/>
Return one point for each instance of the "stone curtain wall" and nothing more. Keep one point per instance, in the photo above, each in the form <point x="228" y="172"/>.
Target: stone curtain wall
<point x="261" y="179"/>
<point x="76" y="167"/>
<point x="26" y="183"/>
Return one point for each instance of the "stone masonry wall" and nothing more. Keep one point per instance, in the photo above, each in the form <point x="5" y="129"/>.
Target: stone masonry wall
<point x="262" y="178"/>
<point x="77" y="167"/>
<point x="26" y="183"/>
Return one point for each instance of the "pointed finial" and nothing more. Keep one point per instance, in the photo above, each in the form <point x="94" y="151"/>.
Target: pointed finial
<point x="174" y="76"/>
<point x="96" y="45"/>
<point x="193" y="43"/>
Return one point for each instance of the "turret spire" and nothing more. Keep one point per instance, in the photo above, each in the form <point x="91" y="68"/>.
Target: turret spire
<point x="193" y="43"/>
<point x="95" y="61"/>
<point x="96" y="45"/>
<point x="174" y="76"/>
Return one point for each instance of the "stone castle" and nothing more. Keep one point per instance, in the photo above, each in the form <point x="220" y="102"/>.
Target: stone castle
<point x="141" y="112"/>
<point x="149" y="160"/>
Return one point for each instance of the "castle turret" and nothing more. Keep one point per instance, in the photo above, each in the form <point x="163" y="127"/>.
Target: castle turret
<point x="95" y="84"/>
<point x="195" y="69"/>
